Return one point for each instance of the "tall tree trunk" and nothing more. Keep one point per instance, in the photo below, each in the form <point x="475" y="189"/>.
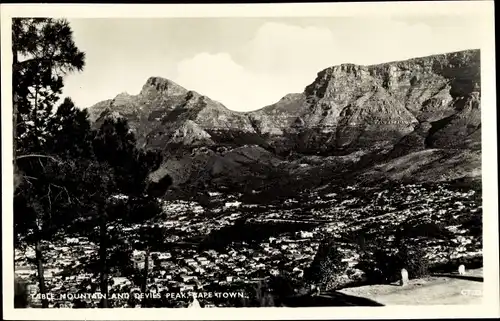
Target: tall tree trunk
<point x="145" y="276"/>
<point x="41" y="279"/>
<point x="17" y="175"/>
<point x="15" y="102"/>
<point x="103" y="260"/>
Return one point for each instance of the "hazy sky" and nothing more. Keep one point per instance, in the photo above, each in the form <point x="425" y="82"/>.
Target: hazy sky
<point x="248" y="63"/>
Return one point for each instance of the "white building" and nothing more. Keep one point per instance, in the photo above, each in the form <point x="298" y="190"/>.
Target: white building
<point x="306" y="234"/>
<point x="234" y="204"/>
<point x="72" y="240"/>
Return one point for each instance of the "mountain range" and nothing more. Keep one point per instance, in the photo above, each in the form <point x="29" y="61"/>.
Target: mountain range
<point x="415" y="120"/>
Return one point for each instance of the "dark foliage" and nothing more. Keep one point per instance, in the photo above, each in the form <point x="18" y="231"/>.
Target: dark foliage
<point x="259" y="295"/>
<point x="244" y="231"/>
<point x="474" y="224"/>
<point x="159" y="188"/>
<point x="426" y="230"/>
<point x="43" y="53"/>
<point x="382" y="261"/>
<point x="67" y="173"/>
<point x="21" y="295"/>
<point x="413" y="259"/>
<point x="327" y="267"/>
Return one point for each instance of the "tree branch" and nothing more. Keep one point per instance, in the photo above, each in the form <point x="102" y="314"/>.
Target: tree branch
<point x="38" y="156"/>
<point x="50" y="202"/>
<point x="65" y="190"/>
<point x="58" y="59"/>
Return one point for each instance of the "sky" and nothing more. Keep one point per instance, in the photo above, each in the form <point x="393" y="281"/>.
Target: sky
<point x="248" y="63"/>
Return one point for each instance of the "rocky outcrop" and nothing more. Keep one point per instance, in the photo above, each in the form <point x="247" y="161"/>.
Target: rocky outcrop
<point x="351" y="107"/>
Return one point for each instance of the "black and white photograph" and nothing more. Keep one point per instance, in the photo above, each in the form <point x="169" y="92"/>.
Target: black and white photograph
<point x="211" y="161"/>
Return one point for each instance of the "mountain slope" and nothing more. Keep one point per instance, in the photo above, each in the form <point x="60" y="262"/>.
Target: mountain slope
<point x="415" y="119"/>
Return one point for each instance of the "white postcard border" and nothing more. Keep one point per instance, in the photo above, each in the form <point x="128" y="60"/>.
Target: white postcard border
<point x="485" y="13"/>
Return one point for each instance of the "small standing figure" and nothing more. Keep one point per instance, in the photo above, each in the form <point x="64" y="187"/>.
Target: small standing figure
<point x="461" y="269"/>
<point x="404" y="277"/>
<point x="315" y="290"/>
<point x="195" y="304"/>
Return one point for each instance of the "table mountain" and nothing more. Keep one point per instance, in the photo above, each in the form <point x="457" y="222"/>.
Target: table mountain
<point x="351" y="107"/>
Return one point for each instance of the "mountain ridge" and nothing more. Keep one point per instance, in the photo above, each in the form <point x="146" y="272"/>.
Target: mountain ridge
<point x="340" y="65"/>
<point x="382" y="111"/>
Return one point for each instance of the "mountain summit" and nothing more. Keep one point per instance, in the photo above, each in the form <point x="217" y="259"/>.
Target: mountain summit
<point x="164" y="114"/>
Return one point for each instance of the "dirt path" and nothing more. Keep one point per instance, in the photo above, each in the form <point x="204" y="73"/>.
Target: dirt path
<point x="437" y="289"/>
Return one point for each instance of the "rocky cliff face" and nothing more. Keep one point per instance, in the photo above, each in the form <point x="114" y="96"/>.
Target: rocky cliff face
<point x="381" y="112"/>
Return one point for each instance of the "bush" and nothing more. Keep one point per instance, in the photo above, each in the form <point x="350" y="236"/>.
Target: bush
<point x="474" y="224"/>
<point x="282" y="286"/>
<point x="384" y="264"/>
<point x="427" y="230"/>
<point x="414" y="261"/>
<point x="379" y="266"/>
<point x="327" y="268"/>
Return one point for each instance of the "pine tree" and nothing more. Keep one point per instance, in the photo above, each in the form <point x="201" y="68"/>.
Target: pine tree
<point x="66" y="172"/>
<point x="51" y="193"/>
<point x="114" y="147"/>
<point x="149" y="237"/>
<point x="327" y="266"/>
<point x="43" y="52"/>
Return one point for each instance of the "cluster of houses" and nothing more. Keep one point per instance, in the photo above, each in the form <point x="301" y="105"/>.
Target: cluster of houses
<point x="191" y="270"/>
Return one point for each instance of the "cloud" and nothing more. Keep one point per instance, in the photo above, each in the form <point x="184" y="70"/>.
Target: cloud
<point x="281" y="48"/>
<point x="257" y="69"/>
<point x="280" y="59"/>
<point x="219" y="77"/>
<point x="283" y="58"/>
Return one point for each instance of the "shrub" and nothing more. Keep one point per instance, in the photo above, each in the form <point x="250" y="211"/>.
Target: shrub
<point x="474" y="224"/>
<point x="379" y="266"/>
<point x="428" y="230"/>
<point x="282" y="286"/>
<point x="413" y="260"/>
<point x="327" y="268"/>
<point x="383" y="264"/>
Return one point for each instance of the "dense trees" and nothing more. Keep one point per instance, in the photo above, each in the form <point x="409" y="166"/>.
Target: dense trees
<point x="382" y="261"/>
<point x="68" y="174"/>
<point x="21" y="295"/>
<point x="43" y="52"/>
